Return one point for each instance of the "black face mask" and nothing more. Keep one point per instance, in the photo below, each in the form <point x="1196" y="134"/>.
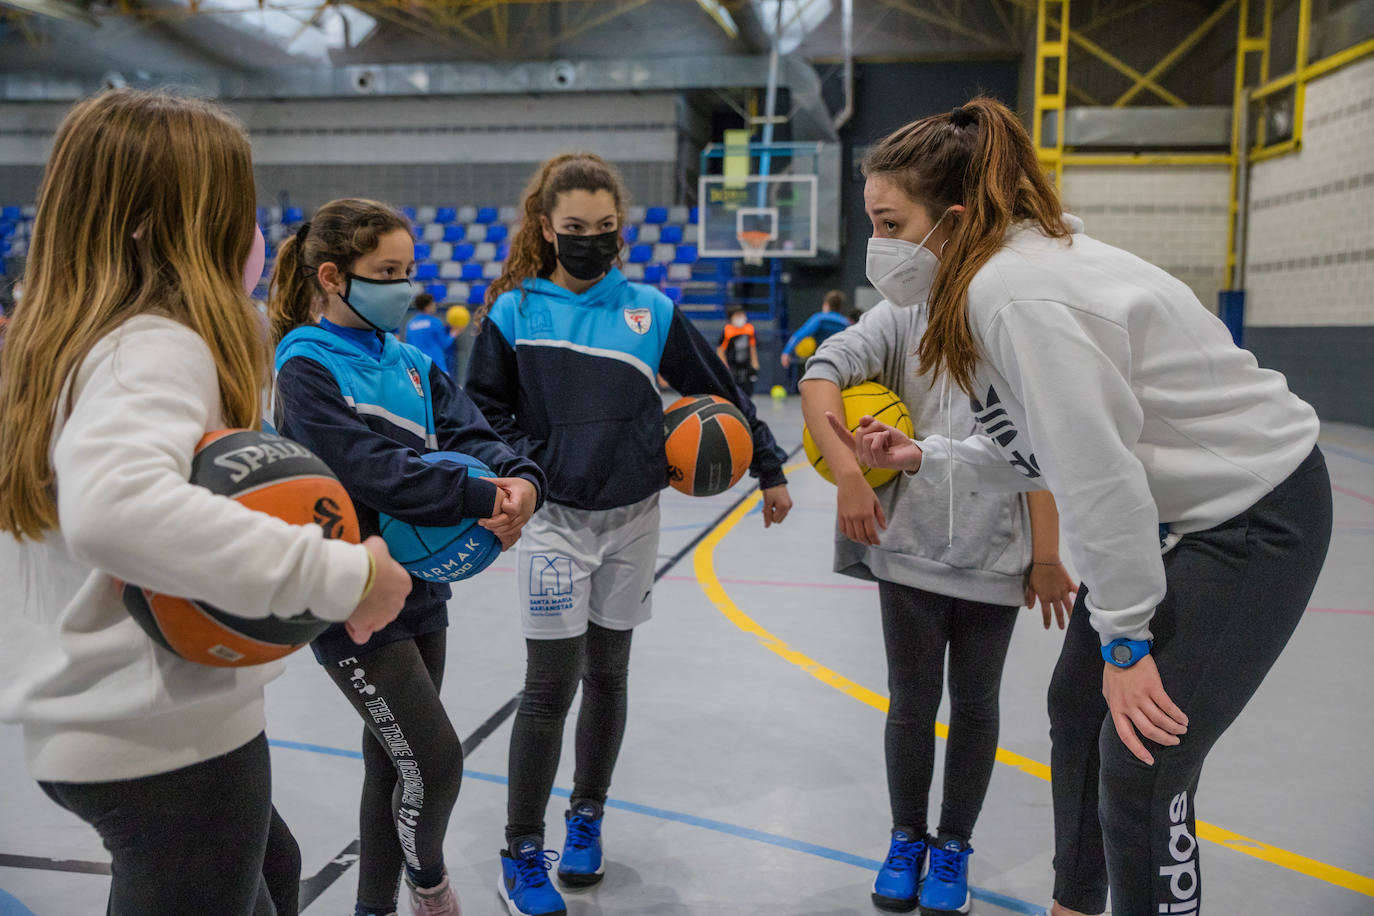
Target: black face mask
<point x="587" y="257"/>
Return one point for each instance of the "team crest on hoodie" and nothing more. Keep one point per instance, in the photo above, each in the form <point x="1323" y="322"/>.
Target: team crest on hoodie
<point x="639" y="319"/>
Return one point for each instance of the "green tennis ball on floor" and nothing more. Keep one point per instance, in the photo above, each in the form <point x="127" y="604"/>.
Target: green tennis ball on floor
<point x="778" y="392"/>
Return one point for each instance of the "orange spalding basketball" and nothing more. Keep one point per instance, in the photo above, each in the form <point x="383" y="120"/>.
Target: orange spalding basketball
<point x="269" y="474"/>
<point x="709" y="445"/>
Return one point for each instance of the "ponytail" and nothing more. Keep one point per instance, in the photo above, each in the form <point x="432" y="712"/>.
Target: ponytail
<point x="978" y="156"/>
<point x="532" y="255"/>
<point x="289" y="294"/>
<point x="340" y="232"/>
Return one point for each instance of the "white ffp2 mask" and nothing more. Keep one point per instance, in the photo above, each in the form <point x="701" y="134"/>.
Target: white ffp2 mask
<point x="901" y="272"/>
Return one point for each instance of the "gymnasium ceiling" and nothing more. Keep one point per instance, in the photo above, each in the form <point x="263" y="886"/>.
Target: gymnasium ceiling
<point x="125" y="39"/>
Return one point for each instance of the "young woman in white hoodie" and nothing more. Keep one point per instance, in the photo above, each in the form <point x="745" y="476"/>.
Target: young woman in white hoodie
<point x="136" y="338"/>
<point x="1193" y="499"/>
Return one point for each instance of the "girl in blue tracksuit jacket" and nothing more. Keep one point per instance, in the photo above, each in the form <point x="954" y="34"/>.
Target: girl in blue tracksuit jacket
<point x="369" y="406"/>
<point x="565" y="369"/>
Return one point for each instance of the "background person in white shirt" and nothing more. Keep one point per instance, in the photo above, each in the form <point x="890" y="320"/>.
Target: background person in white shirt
<point x="1193" y="499"/>
<point x="136" y="338"/>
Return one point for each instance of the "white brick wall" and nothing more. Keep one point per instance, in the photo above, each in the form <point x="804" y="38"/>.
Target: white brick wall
<point x="1310" y="256"/>
<point x="1172" y="216"/>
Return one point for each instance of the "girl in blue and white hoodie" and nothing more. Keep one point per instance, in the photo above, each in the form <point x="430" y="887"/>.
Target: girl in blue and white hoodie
<point x="370" y="406"/>
<point x="566" y="368"/>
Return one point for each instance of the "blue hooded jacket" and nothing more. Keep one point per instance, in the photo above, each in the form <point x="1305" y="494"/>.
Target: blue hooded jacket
<point x="369" y="406"/>
<point x="571" y="381"/>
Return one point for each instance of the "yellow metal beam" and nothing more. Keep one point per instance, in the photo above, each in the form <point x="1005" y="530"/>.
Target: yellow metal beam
<point x="1125" y="69"/>
<point x="1051" y="53"/>
<point x="1177" y="53"/>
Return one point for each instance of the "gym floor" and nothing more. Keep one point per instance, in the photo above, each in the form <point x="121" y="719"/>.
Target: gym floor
<point x="752" y="779"/>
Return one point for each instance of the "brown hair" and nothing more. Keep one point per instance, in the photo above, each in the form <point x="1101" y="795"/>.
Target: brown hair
<point x="147" y="206"/>
<point x="979" y="156"/>
<point x="836" y="300"/>
<point x="531" y="255"/>
<point x="340" y="232"/>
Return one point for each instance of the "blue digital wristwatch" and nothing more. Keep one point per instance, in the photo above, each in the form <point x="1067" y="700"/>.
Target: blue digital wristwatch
<point x="1123" y="653"/>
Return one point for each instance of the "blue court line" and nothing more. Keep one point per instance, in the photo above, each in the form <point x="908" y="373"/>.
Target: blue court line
<point x="692" y="820"/>
<point x="10" y="906"/>
<point x="1352" y="454"/>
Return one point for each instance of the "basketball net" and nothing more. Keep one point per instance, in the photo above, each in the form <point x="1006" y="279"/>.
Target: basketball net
<point x="753" y="243"/>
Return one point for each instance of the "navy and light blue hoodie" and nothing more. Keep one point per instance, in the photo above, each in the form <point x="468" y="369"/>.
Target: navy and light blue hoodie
<point x="571" y="381"/>
<point x="369" y="407"/>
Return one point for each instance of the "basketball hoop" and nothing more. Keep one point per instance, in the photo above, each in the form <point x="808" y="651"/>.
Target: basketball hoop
<point x="753" y="244"/>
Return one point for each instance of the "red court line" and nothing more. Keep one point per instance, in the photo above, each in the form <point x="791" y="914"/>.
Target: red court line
<point x="1338" y="610"/>
<point x="1346" y="492"/>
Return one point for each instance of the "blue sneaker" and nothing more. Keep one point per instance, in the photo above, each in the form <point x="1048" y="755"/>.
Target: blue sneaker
<point x="581" y="865"/>
<point x="898" y="887"/>
<point x="524" y="883"/>
<point x="946" y="887"/>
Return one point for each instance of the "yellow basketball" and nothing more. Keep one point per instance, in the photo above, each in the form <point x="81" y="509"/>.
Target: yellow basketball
<point x="458" y="317"/>
<point x="868" y="399"/>
<point x="806" y="348"/>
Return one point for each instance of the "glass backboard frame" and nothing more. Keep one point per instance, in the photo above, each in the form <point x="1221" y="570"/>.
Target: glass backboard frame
<point x="739" y="213"/>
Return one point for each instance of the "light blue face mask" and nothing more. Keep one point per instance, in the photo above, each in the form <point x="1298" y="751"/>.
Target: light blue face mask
<point x="381" y="303"/>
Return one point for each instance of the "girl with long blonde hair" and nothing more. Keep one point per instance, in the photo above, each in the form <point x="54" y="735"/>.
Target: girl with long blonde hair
<point x="566" y="369"/>
<point x="1193" y="499"/>
<point x="135" y="338"/>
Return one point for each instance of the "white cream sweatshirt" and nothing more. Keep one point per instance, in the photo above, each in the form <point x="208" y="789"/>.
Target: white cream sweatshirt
<point x="1105" y="381"/>
<point x="97" y="699"/>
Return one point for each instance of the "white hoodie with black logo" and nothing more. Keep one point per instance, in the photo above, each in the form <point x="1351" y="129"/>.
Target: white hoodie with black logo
<point x="1104" y="380"/>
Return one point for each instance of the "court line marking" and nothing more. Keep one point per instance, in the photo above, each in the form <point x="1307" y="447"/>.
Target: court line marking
<point x="1346" y="491"/>
<point x="705" y="823"/>
<point x="703" y="562"/>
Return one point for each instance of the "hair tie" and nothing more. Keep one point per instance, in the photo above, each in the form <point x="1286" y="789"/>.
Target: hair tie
<point x="302" y="232"/>
<point x="963" y="117"/>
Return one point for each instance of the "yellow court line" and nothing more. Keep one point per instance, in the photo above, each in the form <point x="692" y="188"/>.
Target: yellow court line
<point x="703" y="561"/>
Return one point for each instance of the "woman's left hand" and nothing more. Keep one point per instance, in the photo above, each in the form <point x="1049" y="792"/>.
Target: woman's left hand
<point x="1137" y="701"/>
<point x="777" y="502"/>
<point x="1052" y="585"/>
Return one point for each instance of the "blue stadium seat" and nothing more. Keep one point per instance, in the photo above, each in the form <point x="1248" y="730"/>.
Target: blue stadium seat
<point x="427" y="272"/>
<point x="472" y="272"/>
<point x="463" y="252"/>
<point x="478" y="294"/>
<point x="693" y="216"/>
<point x="438" y="290"/>
<point x="503" y="252"/>
<point x="409" y="212"/>
<point x="455" y="234"/>
<point x="630" y="234"/>
<point x="674" y="293"/>
<point x="641" y="254"/>
<point x="292" y="215"/>
<point x="686" y="254"/>
<point x="497" y="233"/>
<point x="488" y="215"/>
<point x="653" y="273"/>
<point x="421" y="251"/>
<point x="656" y="215"/>
<point x="445" y="215"/>
<point x="12" y="213"/>
<point x="418" y="232"/>
<point x="6" y="229"/>
<point x="671" y="234"/>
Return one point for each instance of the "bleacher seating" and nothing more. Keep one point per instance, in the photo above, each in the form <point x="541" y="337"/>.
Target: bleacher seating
<point x="460" y="249"/>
